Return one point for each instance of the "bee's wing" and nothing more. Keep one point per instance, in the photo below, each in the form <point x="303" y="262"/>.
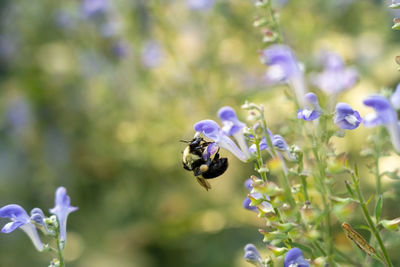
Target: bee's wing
<point x="204" y="183"/>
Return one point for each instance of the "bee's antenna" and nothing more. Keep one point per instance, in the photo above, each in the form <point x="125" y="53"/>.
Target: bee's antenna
<point x="184" y="141"/>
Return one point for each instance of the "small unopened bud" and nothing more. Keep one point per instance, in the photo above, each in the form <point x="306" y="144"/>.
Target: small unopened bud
<point x="251" y="254"/>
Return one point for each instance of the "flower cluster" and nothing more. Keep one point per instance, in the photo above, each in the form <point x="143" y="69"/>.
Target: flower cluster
<point x="54" y="226"/>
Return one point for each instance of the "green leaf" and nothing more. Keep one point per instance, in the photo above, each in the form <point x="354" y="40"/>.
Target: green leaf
<point x="395" y="6"/>
<point x="369" y="200"/>
<point x="391" y="225"/>
<point x="356" y="170"/>
<point x="363" y="227"/>
<point x="392" y="175"/>
<point x="378" y="208"/>
<point x="349" y="189"/>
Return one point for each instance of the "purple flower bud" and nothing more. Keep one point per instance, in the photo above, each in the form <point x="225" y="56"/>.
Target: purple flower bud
<point x="280" y="143"/>
<point x="311" y="110"/>
<point x="384" y="115"/>
<point x="294" y="257"/>
<point x="152" y="54"/>
<point x="62" y="209"/>
<point x="336" y="77"/>
<point x="20" y="219"/>
<point x="346" y="117"/>
<point x="37" y="216"/>
<point x="283" y="67"/>
<point x="251" y="254"/>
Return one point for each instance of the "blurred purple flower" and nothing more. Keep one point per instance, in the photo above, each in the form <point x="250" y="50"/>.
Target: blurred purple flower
<point x="311" y="110"/>
<point x="18" y="115"/>
<point x="277" y="141"/>
<point x="20" y="219"/>
<point x="211" y="130"/>
<point x="200" y="4"/>
<point x="233" y="127"/>
<point x="395" y="99"/>
<point x="384" y="115"/>
<point x="62" y="209"/>
<point x="283" y="67"/>
<point x="336" y="77"/>
<point x="294" y="257"/>
<point x="152" y="54"/>
<point x="94" y="7"/>
<point x="346" y="117"/>
<point x="251" y="254"/>
<point x="120" y="49"/>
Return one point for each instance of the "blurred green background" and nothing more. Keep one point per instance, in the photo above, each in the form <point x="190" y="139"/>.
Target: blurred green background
<point x="95" y="96"/>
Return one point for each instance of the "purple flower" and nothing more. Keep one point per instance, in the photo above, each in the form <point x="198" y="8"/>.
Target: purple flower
<point x="280" y="143"/>
<point x="295" y="258"/>
<point x="283" y="67"/>
<point x="152" y="54"/>
<point x="200" y="4"/>
<point x="232" y="126"/>
<point x="20" y="219"/>
<point x="120" y="49"/>
<point x="37" y="216"/>
<point x="346" y="117"/>
<point x="246" y="203"/>
<point x="263" y="145"/>
<point x="94" y="7"/>
<point x="384" y="115"/>
<point x="61" y="210"/>
<point x="251" y="254"/>
<point x="395" y="99"/>
<point x="211" y="130"/>
<point x="311" y="110"/>
<point x="336" y="77"/>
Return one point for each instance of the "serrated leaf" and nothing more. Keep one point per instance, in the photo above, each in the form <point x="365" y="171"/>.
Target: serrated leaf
<point x="378" y="208"/>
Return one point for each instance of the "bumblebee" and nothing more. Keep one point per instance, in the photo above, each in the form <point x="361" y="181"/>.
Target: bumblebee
<point x="193" y="160"/>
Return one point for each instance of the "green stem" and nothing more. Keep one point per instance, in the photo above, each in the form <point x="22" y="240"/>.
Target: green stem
<point x="324" y="191"/>
<point x="59" y="252"/>
<point x="275" y="23"/>
<point x="370" y="222"/>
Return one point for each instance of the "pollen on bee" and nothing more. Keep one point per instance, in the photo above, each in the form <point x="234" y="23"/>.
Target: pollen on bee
<point x="203" y="168"/>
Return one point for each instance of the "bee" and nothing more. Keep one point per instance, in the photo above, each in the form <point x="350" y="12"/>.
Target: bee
<point x="194" y="160"/>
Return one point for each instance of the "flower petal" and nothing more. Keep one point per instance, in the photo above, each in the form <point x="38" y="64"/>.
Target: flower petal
<point x="11" y="226"/>
<point x="62" y="209"/>
<point x="209" y="128"/>
<point x="14" y="211"/>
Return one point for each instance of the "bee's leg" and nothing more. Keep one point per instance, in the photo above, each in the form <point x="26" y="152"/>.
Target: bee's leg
<point x="186" y="167"/>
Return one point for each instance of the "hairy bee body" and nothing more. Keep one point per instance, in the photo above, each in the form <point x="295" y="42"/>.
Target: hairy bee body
<point x="194" y="161"/>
